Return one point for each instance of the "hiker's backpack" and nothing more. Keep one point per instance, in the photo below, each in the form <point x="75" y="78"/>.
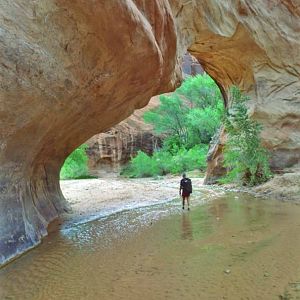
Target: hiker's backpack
<point x="187" y="185"/>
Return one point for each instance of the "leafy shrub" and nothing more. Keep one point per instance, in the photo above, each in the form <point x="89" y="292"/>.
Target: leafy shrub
<point x="163" y="162"/>
<point x="142" y="166"/>
<point x="75" y="166"/>
<point x="244" y="155"/>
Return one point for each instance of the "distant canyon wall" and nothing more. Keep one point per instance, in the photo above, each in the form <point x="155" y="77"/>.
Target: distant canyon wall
<point x="108" y="152"/>
<point x="72" y="69"/>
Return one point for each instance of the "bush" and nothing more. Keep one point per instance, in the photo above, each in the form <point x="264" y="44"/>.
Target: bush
<point x="75" y="166"/>
<point x="244" y="155"/>
<point x="141" y="166"/>
<point x="163" y="162"/>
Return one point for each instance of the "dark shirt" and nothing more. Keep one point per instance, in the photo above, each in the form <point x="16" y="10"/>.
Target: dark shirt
<point x="183" y="184"/>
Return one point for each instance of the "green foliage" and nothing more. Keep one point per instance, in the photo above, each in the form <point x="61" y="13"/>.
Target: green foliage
<point x="189" y="116"/>
<point x="187" y="119"/>
<point x="75" y="166"/>
<point x="244" y="155"/>
<point x="163" y="162"/>
<point x="142" y="166"/>
<point x="200" y="91"/>
<point x="203" y="123"/>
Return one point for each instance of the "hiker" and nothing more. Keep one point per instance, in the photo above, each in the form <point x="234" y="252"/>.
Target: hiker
<point x="185" y="190"/>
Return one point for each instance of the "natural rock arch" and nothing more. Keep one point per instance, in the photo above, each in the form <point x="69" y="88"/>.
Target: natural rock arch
<point x="70" y="69"/>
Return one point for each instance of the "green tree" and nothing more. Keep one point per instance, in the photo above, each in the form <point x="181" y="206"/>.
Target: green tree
<point x="200" y="91"/>
<point x="169" y="117"/>
<point x="202" y="123"/>
<point x="244" y="155"/>
<point x="142" y="166"/>
<point x="190" y="115"/>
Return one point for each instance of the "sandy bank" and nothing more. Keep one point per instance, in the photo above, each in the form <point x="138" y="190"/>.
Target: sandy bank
<point x="91" y="196"/>
<point x="284" y="187"/>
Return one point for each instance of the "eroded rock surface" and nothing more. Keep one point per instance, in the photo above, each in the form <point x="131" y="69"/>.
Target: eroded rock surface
<point x="109" y="151"/>
<point x="69" y="69"/>
<point x="215" y="168"/>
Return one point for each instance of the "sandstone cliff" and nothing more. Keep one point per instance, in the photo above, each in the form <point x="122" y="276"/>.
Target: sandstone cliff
<point x="70" y="69"/>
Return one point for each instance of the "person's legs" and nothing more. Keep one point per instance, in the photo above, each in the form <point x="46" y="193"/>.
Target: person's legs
<point x="183" y="201"/>
<point x="188" y="202"/>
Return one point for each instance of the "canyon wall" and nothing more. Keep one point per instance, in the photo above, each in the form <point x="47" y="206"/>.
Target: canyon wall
<point x="71" y="68"/>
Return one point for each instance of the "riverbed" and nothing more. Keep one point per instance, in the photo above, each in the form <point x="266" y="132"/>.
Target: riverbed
<point x="228" y="246"/>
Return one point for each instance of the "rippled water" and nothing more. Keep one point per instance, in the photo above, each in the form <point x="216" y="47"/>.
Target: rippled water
<point x="235" y="247"/>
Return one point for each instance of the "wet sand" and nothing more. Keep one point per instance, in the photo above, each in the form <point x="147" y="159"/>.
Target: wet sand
<point x="91" y="198"/>
<point x="235" y="247"/>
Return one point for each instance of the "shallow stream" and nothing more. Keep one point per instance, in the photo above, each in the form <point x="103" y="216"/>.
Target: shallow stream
<point x="235" y="247"/>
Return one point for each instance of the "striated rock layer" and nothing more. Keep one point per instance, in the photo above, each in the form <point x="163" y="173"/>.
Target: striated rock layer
<point x="109" y="151"/>
<point x="72" y="68"/>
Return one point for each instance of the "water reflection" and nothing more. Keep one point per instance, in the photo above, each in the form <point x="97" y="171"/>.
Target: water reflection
<point x="218" y="209"/>
<point x="186" y="227"/>
<point x="138" y="254"/>
<point x="255" y="212"/>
